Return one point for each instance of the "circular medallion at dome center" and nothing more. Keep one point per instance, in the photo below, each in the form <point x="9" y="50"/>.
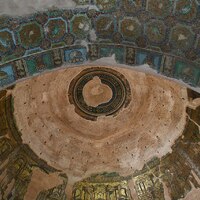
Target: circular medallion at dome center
<point x="112" y="92"/>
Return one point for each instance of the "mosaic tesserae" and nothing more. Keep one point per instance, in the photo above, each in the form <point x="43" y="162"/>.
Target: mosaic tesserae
<point x="100" y="100"/>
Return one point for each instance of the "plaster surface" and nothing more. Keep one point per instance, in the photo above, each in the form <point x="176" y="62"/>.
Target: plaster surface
<point x="14" y="7"/>
<point x="47" y="181"/>
<point x="148" y="127"/>
<point x="96" y="93"/>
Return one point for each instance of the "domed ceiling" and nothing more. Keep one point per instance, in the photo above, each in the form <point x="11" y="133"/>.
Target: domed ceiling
<point x="77" y="122"/>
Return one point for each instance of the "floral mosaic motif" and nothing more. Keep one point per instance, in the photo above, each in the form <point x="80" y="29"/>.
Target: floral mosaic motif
<point x="75" y="56"/>
<point x="170" y="27"/>
<point x="39" y="63"/>
<point x="55" y="29"/>
<point x="186" y="10"/>
<point x="105" y="26"/>
<point x="80" y="26"/>
<point x="30" y="35"/>
<point x="161" y="8"/>
<point x="106" y="5"/>
<point x="7" y="41"/>
<point x="130" y="28"/>
<point x="182" y="38"/>
<point x="155" y="31"/>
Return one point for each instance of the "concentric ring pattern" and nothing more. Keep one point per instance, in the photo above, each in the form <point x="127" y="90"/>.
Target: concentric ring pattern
<point x="117" y="83"/>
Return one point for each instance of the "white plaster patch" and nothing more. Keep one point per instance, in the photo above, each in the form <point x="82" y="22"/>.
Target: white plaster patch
<point x="93" y="36"/>
<point x="23" y="7"/>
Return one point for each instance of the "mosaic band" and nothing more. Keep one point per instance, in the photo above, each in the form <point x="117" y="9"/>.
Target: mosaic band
<point x="163" y="34"/>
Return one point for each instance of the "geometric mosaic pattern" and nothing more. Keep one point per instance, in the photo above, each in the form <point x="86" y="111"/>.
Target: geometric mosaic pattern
<point x="163" y="34"/>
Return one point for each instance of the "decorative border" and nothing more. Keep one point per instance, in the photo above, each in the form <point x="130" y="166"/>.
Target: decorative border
<point x="165" y="36"/>
<point x="165" y="64"/>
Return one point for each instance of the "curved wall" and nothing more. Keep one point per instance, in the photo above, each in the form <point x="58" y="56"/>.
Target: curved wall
<point x="163" y="34"/>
